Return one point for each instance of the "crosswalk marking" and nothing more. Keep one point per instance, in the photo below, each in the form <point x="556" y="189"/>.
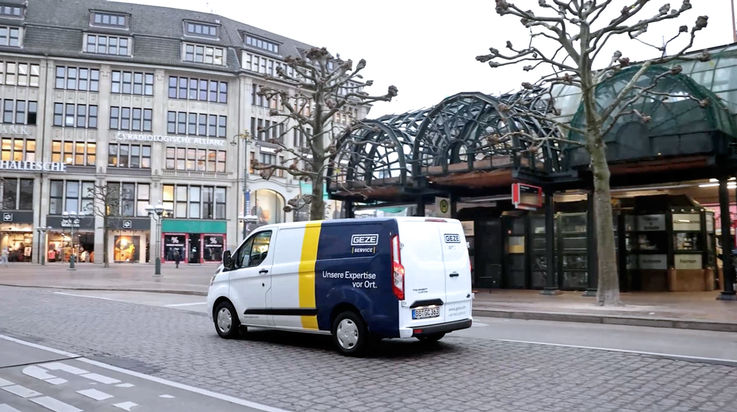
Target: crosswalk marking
<point x="126" y="406"/>
<point x="21" y="391"/>
<point x="100" y="378"/>
<point x="37" y="372"/>
<point x="55" y="404"/>
<point x="58" y="366"/>
<point x="3" y="382"/>
<point x="95" y="394"/>
<point x="4" y="407"/>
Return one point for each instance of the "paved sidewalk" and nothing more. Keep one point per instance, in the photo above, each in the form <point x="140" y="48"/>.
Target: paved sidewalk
<point x="689" y="310"/>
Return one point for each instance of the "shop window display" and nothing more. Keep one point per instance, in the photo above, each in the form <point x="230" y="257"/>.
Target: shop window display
<point x="126" y="249"/>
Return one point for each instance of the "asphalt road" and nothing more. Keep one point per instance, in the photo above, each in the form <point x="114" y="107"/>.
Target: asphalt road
<point x="497" y="365"/>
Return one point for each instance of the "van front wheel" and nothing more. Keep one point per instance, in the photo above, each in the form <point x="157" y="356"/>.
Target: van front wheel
<point x="226" y="321"/>
<point x="350" y="334"/>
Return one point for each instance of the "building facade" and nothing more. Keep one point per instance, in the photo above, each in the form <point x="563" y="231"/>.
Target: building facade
<point x="112" y="108"/>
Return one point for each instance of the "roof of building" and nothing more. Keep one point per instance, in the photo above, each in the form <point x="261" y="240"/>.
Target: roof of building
<point x="56" y="28"/>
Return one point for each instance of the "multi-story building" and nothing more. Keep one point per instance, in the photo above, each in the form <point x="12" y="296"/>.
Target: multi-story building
<point x="148" y="102"/>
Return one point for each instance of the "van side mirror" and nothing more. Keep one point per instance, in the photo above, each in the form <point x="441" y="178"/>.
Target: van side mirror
<point x="228" y="261"/>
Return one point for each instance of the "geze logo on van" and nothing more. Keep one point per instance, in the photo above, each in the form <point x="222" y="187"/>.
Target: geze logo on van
<point x="364" y="243"/>
<point x="452" y="238"/>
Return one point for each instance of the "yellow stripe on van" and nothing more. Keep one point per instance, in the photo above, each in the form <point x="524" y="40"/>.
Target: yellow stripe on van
<point x="307" y="272"/>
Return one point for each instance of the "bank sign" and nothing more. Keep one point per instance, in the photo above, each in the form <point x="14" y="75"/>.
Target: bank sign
<point x="32" y="166"/>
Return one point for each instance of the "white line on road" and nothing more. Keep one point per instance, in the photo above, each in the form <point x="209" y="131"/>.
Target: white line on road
<point x="181" y="386"/>
<point x="95" y="394"/>
<point x="637" y="352"/>
<point x="54" y="404"/>
<point x="185" y="304"/>
<point x="21" y="391"/>
<point x="88" y="296"/>
<point x="4" y="407"/>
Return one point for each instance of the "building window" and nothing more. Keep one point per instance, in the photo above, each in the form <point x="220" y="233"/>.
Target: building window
<point x="16" y="194"/>
<point x="19" y="74"/>
<point x="262" y="44"/>
<point x="204" y="125"/>
<point x="75" y="115"/>
<point x="18" y="149"/>
<point x="200" y="29"/>
<point x="109" y="19"/>
<point x="195" y="202"/>
<point x="10" y="36"/>
<point x="11" y="11"/>
<point x="19" y="111"/>
<point x="264" y="65"/>
<point x="132" y="83"/>
<point x="77" y="78"/>
<point x="104" y="44"/>
<point x="129" y="155"/>
<point x="190" y="89"/>
<point x="71" y="196"/>
<point x="127" y="118"/>
<point x="199" y="53"/>
<point x="74" y="153"/>
<point x="128" y="198"/>
<point x="200" y="160"/>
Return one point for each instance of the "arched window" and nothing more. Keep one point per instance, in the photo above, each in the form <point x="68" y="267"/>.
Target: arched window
<point x="268" y="206"/>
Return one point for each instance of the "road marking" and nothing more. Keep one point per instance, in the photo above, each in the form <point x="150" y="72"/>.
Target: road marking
<point x="55" y="404"/>
<point x="56" y="381"/>
<point x="21" y="391"/>
<point x="636" y="352"/>
<point x="4" y="407"/>
<point x="3" y="382"/>
<point x="125" y="385"/>
<point x="100" y="378"/>
<point x="166" y="396"/>
<point x="95" y="394"/>
<point x="37" y="372"/>
<point x="89" y="296"/>
<point x="126" y="406"/>
<point x="58" y="366"/>
<point x="200" y="391"/>
<point x="173" y="305"/>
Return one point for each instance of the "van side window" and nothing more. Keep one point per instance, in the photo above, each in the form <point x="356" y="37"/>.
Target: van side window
<point x="254" y="251"/>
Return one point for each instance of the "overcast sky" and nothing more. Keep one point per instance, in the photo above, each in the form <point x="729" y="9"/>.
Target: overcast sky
<point x="426" y="48"/>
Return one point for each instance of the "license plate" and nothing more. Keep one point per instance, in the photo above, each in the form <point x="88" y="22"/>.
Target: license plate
<point x="425" y="313"/>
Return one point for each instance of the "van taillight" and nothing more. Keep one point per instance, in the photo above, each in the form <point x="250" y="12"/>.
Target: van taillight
<point x="397" y="269"/>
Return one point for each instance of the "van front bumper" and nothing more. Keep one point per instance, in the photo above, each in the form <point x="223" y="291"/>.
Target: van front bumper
<point x="441" y="327"/>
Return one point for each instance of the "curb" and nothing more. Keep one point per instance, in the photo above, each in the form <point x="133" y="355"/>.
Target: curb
<point x="609" y="320"/>
<point x="171" y="291"/>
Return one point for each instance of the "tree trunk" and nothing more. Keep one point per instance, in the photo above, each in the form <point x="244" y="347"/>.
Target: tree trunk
<point x="105" y="260"/>
<point x="607" y="293"/>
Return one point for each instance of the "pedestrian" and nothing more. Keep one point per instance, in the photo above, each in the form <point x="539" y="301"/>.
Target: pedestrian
<point x="177" y="258"/>
<point x="4" y="257"/>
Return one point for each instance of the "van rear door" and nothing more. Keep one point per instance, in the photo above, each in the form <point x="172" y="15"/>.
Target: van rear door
<point x="458" y="271"/>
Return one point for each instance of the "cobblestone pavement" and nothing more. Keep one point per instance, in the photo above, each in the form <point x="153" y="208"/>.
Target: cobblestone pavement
<point x="303" y="372"/>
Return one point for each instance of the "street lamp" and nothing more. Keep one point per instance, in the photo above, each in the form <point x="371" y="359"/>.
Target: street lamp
<point x="71" y="217"/>
<point x="41" y="242"/>
<point x="237" y="141"/>
<point x="157" y="212"/>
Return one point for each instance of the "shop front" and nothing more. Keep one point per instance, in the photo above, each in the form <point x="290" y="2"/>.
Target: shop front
<point x="70" y="236"/>
<point x="129" y="238"/>
<point x="193" y="241"/>
<point x="16" y="235"/>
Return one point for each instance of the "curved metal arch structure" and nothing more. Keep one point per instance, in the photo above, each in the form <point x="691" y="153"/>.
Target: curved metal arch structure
<point x="373" y="158"/>
<point x="475" y="132"/>
<point x="397" y="156"/>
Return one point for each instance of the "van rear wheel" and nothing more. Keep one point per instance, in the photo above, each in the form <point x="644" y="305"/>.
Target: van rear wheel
<point x="350" y="334"/>
<point x="226" y="320"/>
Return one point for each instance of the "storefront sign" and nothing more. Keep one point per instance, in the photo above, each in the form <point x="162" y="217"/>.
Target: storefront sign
<point x="127" y="224"/>
<point x="651" y="222"/>
<point x="133" y="223"/>
<point x="684" y="221"/>
<point x="182" y="140"/>
<point x="652" y="261"/>
<point x="33" y="166"/>
<point x="7" y="217"/>
<point x="70" y="223"/>
<point x="688" y="261"/>
<point x="65" y="223"/>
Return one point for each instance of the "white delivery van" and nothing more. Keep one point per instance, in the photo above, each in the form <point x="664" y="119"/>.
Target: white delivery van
<point x="357" y="279"/>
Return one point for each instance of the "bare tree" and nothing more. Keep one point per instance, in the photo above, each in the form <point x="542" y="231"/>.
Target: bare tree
<point x="325" y="87"/>
<point x="105" y="204"/>
<point x="566" y="38"/>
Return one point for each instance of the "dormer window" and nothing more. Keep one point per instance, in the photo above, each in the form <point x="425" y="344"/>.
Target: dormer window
<point x="201" y="53"/>
<point x="193" y="28"/>
<point x="262" y="44"/>
<point x="103" y="18"/>
<point x="10" y="36"/>
<point x="11" y="11"/>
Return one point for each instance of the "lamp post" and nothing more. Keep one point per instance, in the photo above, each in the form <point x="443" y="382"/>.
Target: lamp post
<point x="73" y="221"/>
<point x="42" y="241"/>
<point x="157" y="212"/>
<point x="237" y="141"/>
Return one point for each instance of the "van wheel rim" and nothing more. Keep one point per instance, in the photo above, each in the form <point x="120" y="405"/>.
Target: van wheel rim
<point x="347" y="334"/>
<point x="225" y="320"/>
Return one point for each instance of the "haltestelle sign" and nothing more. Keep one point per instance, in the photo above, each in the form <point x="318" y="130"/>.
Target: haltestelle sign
<point x="32" y="166"/>
<point x="185" y="140"/>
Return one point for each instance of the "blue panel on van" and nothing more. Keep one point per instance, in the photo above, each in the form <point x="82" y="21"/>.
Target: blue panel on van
<point x="354" y="266"/>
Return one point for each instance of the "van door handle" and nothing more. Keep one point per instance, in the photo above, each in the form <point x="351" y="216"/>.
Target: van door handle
<point x="263" y="271"/>
<point x="454" y="274"/>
